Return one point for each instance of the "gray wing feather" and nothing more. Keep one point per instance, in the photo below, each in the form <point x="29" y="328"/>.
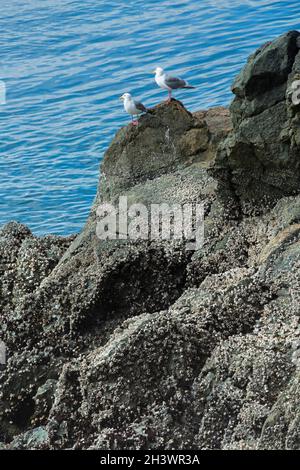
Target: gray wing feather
<point x="175" y="83"/>
<point x="140" y="106"/>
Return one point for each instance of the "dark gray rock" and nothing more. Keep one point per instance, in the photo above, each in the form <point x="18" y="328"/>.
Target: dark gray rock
<point x="167" y="140"/>
<point x="268" y="67"/>
<point x="262" y="154"/>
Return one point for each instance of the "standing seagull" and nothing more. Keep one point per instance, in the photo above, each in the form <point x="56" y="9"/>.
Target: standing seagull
<point x="169" y="83"/>
<point x="133" y="107"/>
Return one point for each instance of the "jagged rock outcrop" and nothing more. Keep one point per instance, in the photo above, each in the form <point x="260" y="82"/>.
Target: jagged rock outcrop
<point x="122" y="344"/>
<point x="261" y="154"/>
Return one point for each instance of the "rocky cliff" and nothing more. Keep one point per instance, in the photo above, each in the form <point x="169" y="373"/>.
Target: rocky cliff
<point x="143" y="344"/>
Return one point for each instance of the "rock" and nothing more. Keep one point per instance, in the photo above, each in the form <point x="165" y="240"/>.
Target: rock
<point x="194" y="141"/>
<point x="97" y="390"/>
<point x="25" y="261"/>
<point x="218" y="122"/>
<point x="264" y="137"/>
<point x="281" y="428"/>
<point x="279" y="241"/>
<point x="138" y="154"/>
<point x="268" y="67"/>
<point x="168" y="139"/>
<point x="44" y="399"/>
<point x="35" y="439"/>
<point x="127" y="344"/>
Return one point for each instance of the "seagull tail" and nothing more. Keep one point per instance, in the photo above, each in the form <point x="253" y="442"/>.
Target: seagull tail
<point x="189" y="86"/>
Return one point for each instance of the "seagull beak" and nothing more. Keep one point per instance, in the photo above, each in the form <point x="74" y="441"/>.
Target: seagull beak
<point x="121" y="98"/>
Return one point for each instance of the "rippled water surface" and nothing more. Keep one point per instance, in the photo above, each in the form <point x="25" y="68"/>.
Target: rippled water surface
<point x="66" y="62"/>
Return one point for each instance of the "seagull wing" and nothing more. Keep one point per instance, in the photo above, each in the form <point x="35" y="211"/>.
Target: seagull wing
<point x="140" y="106"/>
<point x="174" y="83"/>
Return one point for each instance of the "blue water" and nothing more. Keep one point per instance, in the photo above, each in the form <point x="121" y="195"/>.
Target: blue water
<point x="66" y="62"/>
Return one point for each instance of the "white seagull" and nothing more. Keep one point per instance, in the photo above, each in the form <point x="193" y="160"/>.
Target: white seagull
<point x="169" y="83"/>
<point x="132" y="107"/>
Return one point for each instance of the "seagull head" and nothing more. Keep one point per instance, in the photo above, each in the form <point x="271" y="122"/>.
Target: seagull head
<point x="159" y="71"/>
<point x="125" y="96"/>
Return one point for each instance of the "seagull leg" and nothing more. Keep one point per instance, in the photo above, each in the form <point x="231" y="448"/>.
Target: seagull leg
<point x="134" y="122"/>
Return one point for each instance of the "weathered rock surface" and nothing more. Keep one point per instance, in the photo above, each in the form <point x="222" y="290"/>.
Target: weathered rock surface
<point x="261" y="154"/>
<point x="143" y="344"/>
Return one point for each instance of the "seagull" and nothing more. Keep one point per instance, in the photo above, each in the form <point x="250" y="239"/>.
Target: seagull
<point x="169" y="83"/>
<point x="133" y="107"/>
